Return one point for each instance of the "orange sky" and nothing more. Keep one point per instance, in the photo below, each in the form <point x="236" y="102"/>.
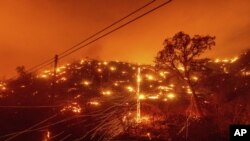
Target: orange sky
<point x="32" y="31"/>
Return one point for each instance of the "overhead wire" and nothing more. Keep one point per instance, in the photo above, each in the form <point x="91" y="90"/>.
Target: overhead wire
<point x="51" y="60"/>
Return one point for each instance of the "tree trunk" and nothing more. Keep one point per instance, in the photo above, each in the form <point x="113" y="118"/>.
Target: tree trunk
<point x="195" y="105"/>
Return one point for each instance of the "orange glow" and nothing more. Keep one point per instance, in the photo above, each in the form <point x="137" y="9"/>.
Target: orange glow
<point x="105" y="63"/>
<point x="44" y="76"/>
<point x="130" y="89"/>
<point x="153" y="97"/>
<point x="42" y="36"/>
<point x="86" y="83"/>
<point x="48" y="134"/>
<point x="99" y="70"/>
<point x="73" y="107"/>
<point x="149" y="77"/>
<point x="112" y="68"/>
<point x="107" y="92"/>
<point x="189" y="91"/>
<point x="171" y="95"/>
<point x="141" y="96"/>
<point x="195" y="78"/>
<point x="94" y="103"/>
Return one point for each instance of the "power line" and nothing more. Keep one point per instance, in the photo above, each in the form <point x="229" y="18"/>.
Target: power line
<point x="121" y="26"/>
<point x="93" y="35"/>
<point x="65" y="54"/>
<point x="49" y="61"/>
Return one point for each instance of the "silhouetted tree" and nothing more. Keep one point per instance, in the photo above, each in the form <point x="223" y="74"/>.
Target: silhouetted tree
<point x="180" y="55"/>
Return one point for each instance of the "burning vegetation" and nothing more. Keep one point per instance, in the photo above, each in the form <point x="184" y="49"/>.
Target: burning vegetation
<point x="181" y="97"/>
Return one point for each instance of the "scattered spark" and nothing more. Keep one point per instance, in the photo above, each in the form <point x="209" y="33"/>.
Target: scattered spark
<point x="86" y="83"/>
<point x="171" y="95"/>
<point x="73" y="107"/>
<point x="78" y="96"/>
<point x="225" y="60"/>
<point x="171" y="85"/>
<point x="130" y="89"/>
<point x="163" y="73"/>
<point x="107" y="93"/>
<point x="165" y="88"/>
<point x="44" y="76"/>
<point x="112" y="68"/>
<point x="195" y="78"/>
<point x="58" y="69"/>
<point x="181" y="68"/>
<point x="234" y="59"/>
<point x="105" y="63"/>
<point x="63" y="78"/>
<point x="189" y="91"/>
<point x="48" y="134"/>
<point x="46" y="71"/>
<point x="82" y="61"/>
<point x="149" y="77"/>
<point x="4" y="88"/>
<point x="149" y="135"/>
<point x="153" y="97"/>
<point x="217" y="60"/>
<point x="123" y="72"/>
<point x="141" y="96"/>
<point x="99" y="70"/>
<point x="95" y="103"/>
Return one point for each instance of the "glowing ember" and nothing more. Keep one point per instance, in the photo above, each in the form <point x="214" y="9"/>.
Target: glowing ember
<point x="181" y="68"/>
<point x="149" y="77"/>
<point x="195" y="78"/>
<point x="141" y="96"/>
<point x="153" y="97"/>
<point x="163" y="73"/>
<point x="82" y="61"/>
<point x="149" y="135"/>
<point x="130" y="89"/>
<point x="112" y="68"/>
<point x="105" y="63"/>
<point x="86" y="83"/>
<point x="123" y="72"/>
<point x="2" y="86"/>
<point x="171" y="85"/>
<point x="116" y="84"/>
<point x="99" y="70"/>
<point x="189" y="91"/>
<point x="234" y="59"/>
<point x="171" y="95"/>
<point x="165" y="99"/>
<point x="48" y="134"/>
<point x="72" y="107"/>
<point x="94" y="103"/>
<point x="107" y="93"/>
<point x="63" y="78"/>
<point x="217" y="60"/>
<point x="44" y="76"/>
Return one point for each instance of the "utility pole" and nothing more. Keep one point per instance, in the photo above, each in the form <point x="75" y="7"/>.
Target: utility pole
<point x="54" y="79"/>
<point x="138" y="105"/>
